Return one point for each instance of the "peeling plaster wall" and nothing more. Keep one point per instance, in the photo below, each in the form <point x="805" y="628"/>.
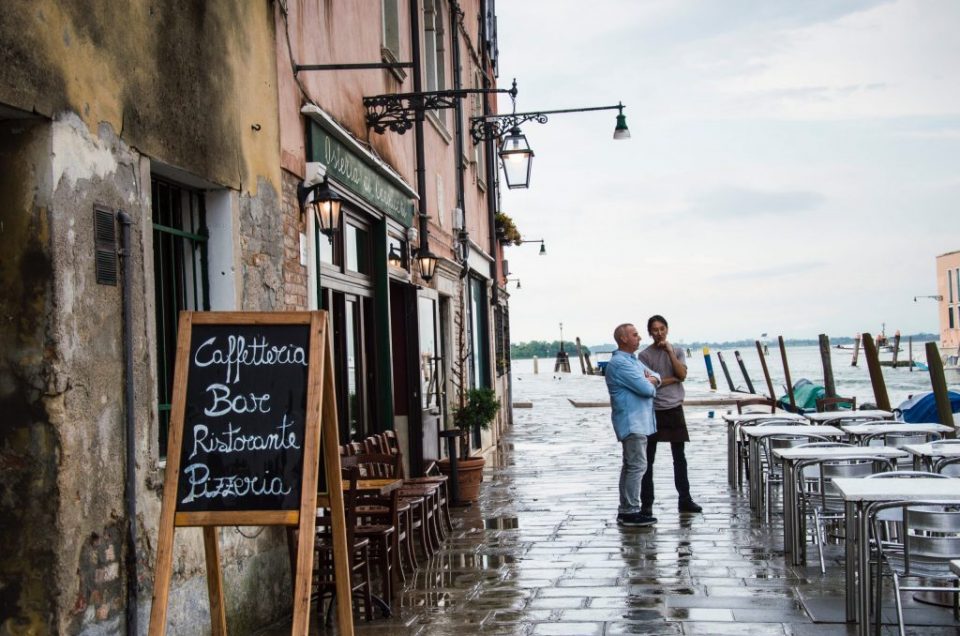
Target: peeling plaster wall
<point x="119" y="87"/>
<point x="29" y="449"/>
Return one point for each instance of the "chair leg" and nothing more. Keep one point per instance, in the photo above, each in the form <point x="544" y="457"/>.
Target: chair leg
<point x="896" y="597"/>
<point x="821" y="537"/>
<point x="878" y="601"/>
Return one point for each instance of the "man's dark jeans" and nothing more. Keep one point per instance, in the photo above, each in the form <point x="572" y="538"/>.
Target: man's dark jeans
<point x="679" y="473"/>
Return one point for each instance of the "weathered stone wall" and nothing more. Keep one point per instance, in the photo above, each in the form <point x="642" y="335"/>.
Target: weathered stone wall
<point x="119" y="87"/>
<point x="29" y="448"/>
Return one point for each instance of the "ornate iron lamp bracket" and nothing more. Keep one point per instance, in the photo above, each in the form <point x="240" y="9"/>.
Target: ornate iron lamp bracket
<point x="399" y="111"/>
<point x="496" y="126"/>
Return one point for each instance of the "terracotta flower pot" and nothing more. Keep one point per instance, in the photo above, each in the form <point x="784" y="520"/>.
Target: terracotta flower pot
<point x="469" y="476"/>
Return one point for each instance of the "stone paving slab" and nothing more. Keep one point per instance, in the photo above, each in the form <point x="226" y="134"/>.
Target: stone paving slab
<point x="541" y="553"/>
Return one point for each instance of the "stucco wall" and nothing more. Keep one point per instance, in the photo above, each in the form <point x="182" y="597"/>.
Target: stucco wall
<point x="190" y="83"/>
<point x="120" y="88"/>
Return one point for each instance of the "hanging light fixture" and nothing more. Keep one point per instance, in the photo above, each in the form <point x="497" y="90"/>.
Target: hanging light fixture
<point x="517" y="159"/>
<point x="428" y="262"/>
<point x="394" y="257"/>
<point x="326" y="205"/>
<point x="621" y="131"/>
<point x="543" y="248"/>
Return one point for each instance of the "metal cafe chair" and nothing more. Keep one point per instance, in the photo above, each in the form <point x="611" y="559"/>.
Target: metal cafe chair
<point x="743" y="442"/>
<point x="948" y="466"/>
<point x="820" y="499"/>
<point x="772" y="467"/>
<point x="930" y="539"/>
<point x="834" y="404"/>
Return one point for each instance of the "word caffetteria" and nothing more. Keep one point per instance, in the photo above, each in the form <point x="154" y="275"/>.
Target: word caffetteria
<point x="240" y="352"/>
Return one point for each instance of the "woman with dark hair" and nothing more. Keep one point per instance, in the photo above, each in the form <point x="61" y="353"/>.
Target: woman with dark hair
<point x="670" y="362"/>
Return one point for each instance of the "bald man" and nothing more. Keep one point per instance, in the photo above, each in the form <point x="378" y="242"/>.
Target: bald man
<point x="632" y="387"/>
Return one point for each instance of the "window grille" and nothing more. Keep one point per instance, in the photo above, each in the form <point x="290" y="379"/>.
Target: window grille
<point x="180" y="278"/>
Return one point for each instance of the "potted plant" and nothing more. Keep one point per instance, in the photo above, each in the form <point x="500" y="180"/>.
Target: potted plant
<point x="507" y="232"/>
<point x="479" y="409"/>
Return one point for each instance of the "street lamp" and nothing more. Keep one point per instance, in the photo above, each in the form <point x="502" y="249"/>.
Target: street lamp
<point x="507" y="281"/>
<point x="427" y="261"/>
<point x="543" y="246"/>
<point x="325" y="203"/>
<point x="517" y="159"/>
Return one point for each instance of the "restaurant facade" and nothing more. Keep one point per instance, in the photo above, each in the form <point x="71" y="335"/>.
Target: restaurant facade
<point x="153" y="159"/>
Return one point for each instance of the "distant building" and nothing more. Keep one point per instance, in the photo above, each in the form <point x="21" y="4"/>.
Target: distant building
<point x="948" y="287"/>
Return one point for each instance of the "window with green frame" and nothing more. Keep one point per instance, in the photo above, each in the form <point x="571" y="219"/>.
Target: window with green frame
<point x="180" y="277"/>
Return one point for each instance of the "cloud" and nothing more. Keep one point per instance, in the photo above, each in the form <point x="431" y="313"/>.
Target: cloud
<point x="728" y="203"/>
<point x="770" y="272"/>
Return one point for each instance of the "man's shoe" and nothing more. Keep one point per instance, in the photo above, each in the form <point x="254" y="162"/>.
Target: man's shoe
<point x="689" y="506"/>
<point x="635" y="519"/>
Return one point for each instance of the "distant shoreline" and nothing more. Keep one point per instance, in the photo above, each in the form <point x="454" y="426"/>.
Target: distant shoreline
<point x="542" y="348"/>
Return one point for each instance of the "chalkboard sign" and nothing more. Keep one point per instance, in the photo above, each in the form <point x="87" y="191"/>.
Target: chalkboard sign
<point x="243" y="425"/>
<point x="253" y="426"/>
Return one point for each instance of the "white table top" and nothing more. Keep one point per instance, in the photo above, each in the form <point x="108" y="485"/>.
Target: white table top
<point x="915" y="489"/>
<point x="933" y="450"/>
<point x="894" y="427"/>
<point x="799" y="429"/>
<point x="838" y="451"/>
<point x="829" y="416"/>
<point x="756" y="417"/>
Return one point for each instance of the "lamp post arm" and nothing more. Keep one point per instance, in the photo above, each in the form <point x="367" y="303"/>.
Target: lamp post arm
<point x="495" y="126"/>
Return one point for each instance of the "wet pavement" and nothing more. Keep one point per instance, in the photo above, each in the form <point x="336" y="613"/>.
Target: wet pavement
<point x="541" y="553"/>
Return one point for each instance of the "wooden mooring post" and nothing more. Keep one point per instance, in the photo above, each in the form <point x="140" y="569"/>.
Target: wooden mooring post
<point x="896" y="347"/>
<point x="583" y="367"/>
<point x="766" y="372"/>
<point x="829" y="386"/>
<point x="856" y="350"/>
<point x="536" y="365"/>
<point x="939" y="383"/>
<point x="743" y="370"/>
<point x="786" y="373"/>
<point x="910" y="351"/>
<point x="709" y="363"/>
<point x="726" y="372"/>
<point x="876" y="373"/>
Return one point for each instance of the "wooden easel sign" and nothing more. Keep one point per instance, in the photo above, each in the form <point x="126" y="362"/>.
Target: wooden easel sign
<point x="253" y="405"/>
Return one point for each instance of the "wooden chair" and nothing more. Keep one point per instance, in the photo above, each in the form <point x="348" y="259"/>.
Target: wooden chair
<point x="836" y="404"/>
<point x="389" y="442"/>
<point x="382" y="534"/>
<point x="323" y="580"/>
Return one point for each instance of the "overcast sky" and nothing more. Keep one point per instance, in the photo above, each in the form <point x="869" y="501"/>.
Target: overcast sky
<point x="794" y="167"/>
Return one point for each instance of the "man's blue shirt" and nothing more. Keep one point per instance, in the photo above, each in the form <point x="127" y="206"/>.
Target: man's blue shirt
<point x="631" y="396"/>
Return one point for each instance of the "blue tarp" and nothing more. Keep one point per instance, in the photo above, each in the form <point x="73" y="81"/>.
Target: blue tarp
<point x="923" y="408"/>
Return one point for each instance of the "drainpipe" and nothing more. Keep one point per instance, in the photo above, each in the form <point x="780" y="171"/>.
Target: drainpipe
<point x="130" y="485"/>
<point x="416" y="414"/>
<point x="455" y="14"/>
<point x="418" y="122"/>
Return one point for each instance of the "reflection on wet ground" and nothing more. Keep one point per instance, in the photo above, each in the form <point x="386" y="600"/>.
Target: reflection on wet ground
<point x="541" y="553"/>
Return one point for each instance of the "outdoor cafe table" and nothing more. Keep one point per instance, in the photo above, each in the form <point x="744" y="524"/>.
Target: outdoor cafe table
<point x="858" y="431"/>
<point x="794" y="539"/>
<point x="833" y="416"/>
<point x="757" y="433"/>
<point x="858" y="493"/>
<point x="924" y="455"/>
<point x="734" y="421"/>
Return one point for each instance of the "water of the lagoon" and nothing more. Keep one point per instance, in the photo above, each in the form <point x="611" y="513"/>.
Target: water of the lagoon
<point x="804" y="362"/>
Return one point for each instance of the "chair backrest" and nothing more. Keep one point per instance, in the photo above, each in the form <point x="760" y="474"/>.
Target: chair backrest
<point x="945" y="442"/>
<point x="827" y="444"/>
<point x="373" y="465"/>
<point x="932" y="533"/>
<point x="905" y="474"/>
<point x="947" y="466"/>
<point x="836" y="403"/>
<point x="830" y="498"/>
